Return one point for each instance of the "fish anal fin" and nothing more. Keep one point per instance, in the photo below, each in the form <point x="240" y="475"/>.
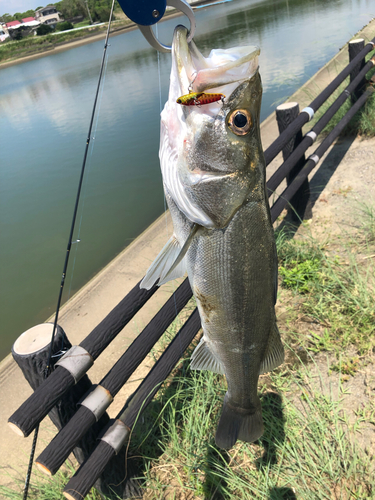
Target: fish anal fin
<point x="163" y="264"/>
<point x="203" y="359"/>
<point x="274" y="355"/>
<point x="236" y="423"/>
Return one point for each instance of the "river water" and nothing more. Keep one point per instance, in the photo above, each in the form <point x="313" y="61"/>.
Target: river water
<point x="45" y="108"/>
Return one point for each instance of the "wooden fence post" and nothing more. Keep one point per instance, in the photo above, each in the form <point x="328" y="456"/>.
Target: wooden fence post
<point x="301" y="203"/>
<point x="31" y="352"/>
<point x="355" y="46"/>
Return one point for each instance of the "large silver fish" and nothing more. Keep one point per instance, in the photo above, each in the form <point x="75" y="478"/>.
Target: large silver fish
<point x="214" y="179"/>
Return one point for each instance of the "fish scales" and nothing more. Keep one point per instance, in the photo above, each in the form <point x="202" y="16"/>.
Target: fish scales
<point x="214" y="180"/>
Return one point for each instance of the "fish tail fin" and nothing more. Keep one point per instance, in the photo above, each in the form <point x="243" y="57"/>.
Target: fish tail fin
<point x="236" y="423"/>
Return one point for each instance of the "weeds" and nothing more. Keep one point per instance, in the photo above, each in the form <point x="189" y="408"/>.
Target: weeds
<point x="366" y="216"/>
<point x="341" y="297"/>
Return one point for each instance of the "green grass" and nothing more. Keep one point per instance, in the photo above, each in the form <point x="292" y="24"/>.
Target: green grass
<point x="332" y="290"/>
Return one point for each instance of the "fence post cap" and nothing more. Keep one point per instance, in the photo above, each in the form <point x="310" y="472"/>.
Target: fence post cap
<point x="287" y="105"/>
<point x="34" y="339"/>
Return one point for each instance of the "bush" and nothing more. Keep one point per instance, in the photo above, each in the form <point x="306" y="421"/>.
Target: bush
<point x="16" y="35"/>
<point x="44" y="29"/>
<point x="65" y="25"/>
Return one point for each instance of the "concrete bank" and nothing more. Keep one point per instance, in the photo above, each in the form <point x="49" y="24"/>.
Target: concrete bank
<point x="94" y="301"/>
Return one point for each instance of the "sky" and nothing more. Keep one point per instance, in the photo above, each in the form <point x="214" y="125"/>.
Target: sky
<point x="12" y="6"/>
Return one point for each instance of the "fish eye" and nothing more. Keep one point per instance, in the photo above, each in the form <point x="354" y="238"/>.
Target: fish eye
<point x="240" y="122"/>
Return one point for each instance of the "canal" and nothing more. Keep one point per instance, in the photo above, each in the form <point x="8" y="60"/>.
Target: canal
<point x="45" y="107"/>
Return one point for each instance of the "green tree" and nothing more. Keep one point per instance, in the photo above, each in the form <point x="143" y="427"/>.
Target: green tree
<point x="100" y="9"/>
<point x="6" y="18"/>
<point x="28" y="13"/>
<point x="17" y="34"/>
<point x="71" y="8"/>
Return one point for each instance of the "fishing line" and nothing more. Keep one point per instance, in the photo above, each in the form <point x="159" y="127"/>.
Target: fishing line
<point x="78" y="240"/>
<point x="160" y="110"/>
<point x="47" y="369"/>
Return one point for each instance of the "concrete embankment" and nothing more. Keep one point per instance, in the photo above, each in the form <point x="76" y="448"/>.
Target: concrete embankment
<point x="94" y="301"/>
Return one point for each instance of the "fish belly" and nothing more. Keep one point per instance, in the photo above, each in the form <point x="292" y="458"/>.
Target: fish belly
<point x="232" y="273"/>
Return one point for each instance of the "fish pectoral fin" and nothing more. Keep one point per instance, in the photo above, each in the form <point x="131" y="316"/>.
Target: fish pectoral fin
<point x="203" y="359"/>
<point x="179" y="265"/>
<point x="163" y="264"/>
<point x="274" y="355"/>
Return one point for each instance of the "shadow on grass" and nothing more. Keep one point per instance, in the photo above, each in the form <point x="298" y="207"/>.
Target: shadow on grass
<point x="274" y="434"/>
<point x="282" y="494"/>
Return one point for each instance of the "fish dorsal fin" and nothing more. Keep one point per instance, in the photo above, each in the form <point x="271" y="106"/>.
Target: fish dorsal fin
<point x="162" y="265"/>
<point x="274" y="355"/>
<point x="203" y="359"/>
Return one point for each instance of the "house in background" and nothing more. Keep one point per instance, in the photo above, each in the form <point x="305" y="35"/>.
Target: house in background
<point x="30" y="21"/>
<point x="17" y="29"/>
<point x="13" y="24"/>
<point x="48" y="15"/>
<point x="4" y="33"/>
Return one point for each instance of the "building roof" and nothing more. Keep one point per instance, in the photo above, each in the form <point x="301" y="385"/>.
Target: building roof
<point x="46" y="8"/>
<point x="12" y="24"/>
<point x="28" y="19"/>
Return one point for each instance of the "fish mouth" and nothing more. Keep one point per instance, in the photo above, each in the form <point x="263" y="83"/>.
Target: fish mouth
<point x="221" y="69"/>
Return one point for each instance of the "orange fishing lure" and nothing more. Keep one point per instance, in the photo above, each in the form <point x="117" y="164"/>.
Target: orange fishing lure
<point x="199" y="98"/>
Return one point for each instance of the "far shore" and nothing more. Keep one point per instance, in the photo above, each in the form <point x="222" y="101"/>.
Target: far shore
<point x="89" y="38"/>
<point x="71" y="44"/>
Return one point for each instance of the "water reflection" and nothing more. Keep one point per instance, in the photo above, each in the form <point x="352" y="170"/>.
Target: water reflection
<point x="45" y="108"/>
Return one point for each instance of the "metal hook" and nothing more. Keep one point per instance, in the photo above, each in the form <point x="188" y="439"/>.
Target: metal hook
<point x="148" y="33"/>
<point x="145" y="13"/>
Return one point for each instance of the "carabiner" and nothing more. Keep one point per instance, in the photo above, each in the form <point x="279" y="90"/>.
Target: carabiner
<point x="145" y="13"/>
